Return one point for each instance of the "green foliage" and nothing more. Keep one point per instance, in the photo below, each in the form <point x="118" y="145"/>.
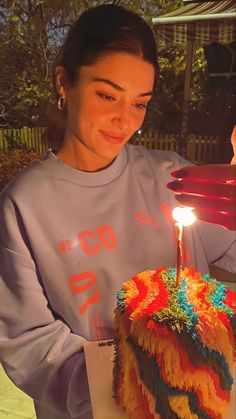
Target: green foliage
<point x="12" y="161"/>
<point x="166" y="107"/>
<point x="25" y="81"/>
<point x="15" y="143"/>
<point x="199" y="77"/>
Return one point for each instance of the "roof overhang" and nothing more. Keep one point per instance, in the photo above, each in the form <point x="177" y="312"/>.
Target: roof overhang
<point x="191" y="18"/>
<point x="201" y="23"/>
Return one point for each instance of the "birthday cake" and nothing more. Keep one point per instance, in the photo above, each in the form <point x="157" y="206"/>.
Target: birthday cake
<point x="175" y="346"/>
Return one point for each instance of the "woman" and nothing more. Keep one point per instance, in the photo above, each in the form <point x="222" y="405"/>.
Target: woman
<point x="77" y="224"/>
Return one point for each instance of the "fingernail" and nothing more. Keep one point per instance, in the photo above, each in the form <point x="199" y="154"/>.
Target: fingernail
<point x="182" y="198"/>
<point x="179" y="173"/>
<point x="175" y="185"/>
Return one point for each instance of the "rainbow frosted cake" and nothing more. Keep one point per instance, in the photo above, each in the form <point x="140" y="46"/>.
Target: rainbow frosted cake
<point x="175" y="347"/>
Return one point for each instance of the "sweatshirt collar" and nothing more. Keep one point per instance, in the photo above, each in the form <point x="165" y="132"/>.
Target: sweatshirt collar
<point x="63" y="171"/>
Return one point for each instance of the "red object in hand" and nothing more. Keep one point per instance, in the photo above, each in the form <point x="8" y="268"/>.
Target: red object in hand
<point x="210" y="189"/>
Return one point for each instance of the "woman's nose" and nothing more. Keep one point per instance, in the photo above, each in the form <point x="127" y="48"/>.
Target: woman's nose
<point x="122" y="117"/>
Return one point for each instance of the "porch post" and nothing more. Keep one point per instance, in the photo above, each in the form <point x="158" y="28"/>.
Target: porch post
<point x="187" y="90"/>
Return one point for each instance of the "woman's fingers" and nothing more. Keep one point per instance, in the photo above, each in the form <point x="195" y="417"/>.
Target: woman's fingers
<point x="216" y="211"/>
<point x="210" y="190"/>
<point x="227" y="220"/>
<point x="211" y="204"/>
<point x="219" y="173"/>
<point x="204" y="189"/>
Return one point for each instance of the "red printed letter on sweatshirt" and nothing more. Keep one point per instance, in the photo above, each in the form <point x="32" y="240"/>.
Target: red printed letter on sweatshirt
<point x="76" y="287"/>
<point x="87" y="247"/>
<point x="89" y="279"/>
<point x="107" y="236"/>
<point x="104" y="236"/>
<point x="66" y="246"/>
<point x="90" y="300"/>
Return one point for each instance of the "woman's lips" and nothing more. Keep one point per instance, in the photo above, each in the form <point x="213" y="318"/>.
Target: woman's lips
<point x="113" y="137"/>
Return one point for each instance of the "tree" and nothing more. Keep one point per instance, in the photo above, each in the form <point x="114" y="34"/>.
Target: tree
<point x="25" y="85"/>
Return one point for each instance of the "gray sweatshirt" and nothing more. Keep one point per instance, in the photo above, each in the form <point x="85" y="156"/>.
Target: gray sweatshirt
<point x="68" y="240"/>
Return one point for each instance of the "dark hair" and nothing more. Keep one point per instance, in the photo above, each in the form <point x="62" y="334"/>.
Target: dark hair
<point x="104" y="29"/>
<point x="101" y="30"/>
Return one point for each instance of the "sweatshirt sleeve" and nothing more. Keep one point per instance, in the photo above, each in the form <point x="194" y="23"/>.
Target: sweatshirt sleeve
<point x="39" y="353"/>
<point x="219" y="245"/>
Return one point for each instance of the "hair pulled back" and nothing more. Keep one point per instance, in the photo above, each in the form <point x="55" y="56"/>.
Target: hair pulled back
<point x="105" y="29"/>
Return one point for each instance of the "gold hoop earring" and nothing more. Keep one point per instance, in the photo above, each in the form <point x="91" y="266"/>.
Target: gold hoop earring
<point x="61" y="103"/>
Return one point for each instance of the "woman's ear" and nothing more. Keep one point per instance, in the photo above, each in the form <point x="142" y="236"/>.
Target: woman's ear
<point x="60" y="79"/>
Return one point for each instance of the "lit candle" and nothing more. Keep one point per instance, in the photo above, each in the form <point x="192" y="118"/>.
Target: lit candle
<point x="184" y="217"/>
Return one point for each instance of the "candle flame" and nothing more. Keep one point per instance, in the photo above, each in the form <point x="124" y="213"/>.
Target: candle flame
<point x="184" y="215"/>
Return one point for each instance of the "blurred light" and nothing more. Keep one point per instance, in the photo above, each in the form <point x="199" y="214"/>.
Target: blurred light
<point x="139" y="131"/>
<point x="184" y="215"/>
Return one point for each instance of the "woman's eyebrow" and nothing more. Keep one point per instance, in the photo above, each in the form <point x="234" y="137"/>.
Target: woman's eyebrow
<point x="111" y="83"/>
<point x="118" y="87"/>
<point x="146" y="94"/>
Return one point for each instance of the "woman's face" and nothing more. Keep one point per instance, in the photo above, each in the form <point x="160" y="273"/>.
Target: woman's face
<point x="106" y="106"/>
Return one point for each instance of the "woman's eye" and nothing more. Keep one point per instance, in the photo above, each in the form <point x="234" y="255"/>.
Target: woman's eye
<point x="105" y="96"/>
<point x="140" y="105"/>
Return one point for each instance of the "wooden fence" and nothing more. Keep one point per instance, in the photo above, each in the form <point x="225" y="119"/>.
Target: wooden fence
<point x="200" y="149"/>
<point x="31" y="137"/>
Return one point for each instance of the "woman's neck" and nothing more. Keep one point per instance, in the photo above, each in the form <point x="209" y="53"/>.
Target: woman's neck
<point x="74" y="153"/>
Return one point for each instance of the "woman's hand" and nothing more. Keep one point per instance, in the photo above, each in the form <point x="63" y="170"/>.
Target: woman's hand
<point x="210" y="189"/>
